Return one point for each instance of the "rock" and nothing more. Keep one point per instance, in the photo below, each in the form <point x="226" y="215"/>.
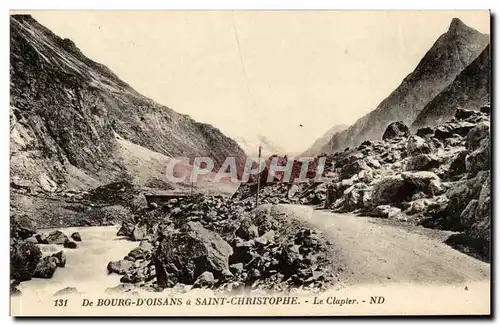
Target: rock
<point x="134" y="276"/>
<point x="416" y="145"/>
<point x="119" y="267"/>
<point x="468" y="215"/>
<point x="462" y="114"/>
<point x="41" y="238"/>
<point x="187" y="254"/>
<point x="243" y="251"/>
<point x="24" y="258"/>
<point x="46" y="267"/>
<point x="478" y="160"/>
<point x="425" y="181"/>
<point x="425" y="132"/>
<point x="76" y="236"/>
<point x="137" y="253"/>
<point x="56" y="237"/>
<point x="146" y="246"/>
<point x="140" y="232"/>
<point x="66" y="291"/>
<point x="236" y="268"/>
<point x="477" y="135"/>
<point x="204" y="281"/>
<point x="247" y="229"/>
<point x="14" y="290"/>
<point x="61" y="258"/>
<point x="448" y="129"/>
<point x="386" y="211"/>
<point x="126" y="229"/>
<point x="22" y="227"/>
<point x="389" y="190"/>
<point x="353" y="168"/>
<point x="457" y="166"/>
<point x="396" y="129"/>
<point x="70" y="244"/>
<point x="417" y="206"/>
<point x="480" y="226"/>
<point x="460" y="194"/>
<point x="373" y="163"/>
<point x="266" y="238"/>
<point x="486" y="109"/>
<point x="422" y="162"/>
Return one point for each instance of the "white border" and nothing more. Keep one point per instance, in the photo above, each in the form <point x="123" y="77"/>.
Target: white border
<point x="192" y="4"/>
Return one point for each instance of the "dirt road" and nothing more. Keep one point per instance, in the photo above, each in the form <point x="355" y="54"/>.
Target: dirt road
<point x="374" y="253"/>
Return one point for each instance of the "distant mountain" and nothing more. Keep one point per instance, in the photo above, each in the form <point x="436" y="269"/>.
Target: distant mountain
<point x="67" y="112"/>
<point x="251" y="146"/>
<point x="448" y="57"/>
<point x="323" y="140"/>
<point x="470" y="90"/>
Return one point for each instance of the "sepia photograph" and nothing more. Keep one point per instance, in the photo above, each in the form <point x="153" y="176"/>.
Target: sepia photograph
<point x="250" y="163"/>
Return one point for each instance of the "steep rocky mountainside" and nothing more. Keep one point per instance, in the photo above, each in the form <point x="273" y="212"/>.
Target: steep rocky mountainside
<point x="68" y="111"/>
<point x="323" y="140"/>
<point x="470" y="90"/>
<point x="448" y="57"/>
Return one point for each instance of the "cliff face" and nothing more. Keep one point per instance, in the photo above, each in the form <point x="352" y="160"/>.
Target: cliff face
<point x="448" y="57"/>
<point x="68" y="111"/>
<point x="470" y="90"/>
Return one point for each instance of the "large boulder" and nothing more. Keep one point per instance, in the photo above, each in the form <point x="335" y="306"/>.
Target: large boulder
<point x="185" y="255"/>
<point x="386" y="211"/>
<point x="477" y="135"/>
<point x="422" y="162"/>
<point x="396" y="129"/>
<point x="24" y="257"/>
<point x="460" y="194"/>
<point x="46" y="267"/>
<point x="56" y="237"/>
<point x="424" y="181"/>
<point x="120" y="266"/>
<point x="353" y="168"/>
<point x="21" y="227"/>
<point x="390" y="190"/>
<point x="479" y="160"/>
<point x="450" y="128"/>
<point x="416" y="145"/>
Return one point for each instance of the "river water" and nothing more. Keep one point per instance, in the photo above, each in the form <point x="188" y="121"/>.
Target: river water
<point x="85" y="267"/>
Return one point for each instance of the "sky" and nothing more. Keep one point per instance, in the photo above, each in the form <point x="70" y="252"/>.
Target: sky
<point x="286" y="75"/>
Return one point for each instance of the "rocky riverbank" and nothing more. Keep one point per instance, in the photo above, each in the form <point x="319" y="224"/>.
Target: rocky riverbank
<point x="224" y="245"/>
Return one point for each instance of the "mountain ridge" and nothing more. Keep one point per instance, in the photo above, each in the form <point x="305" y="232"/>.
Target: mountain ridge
<point x="452" y="52"/>
<point x="66" y="110"/>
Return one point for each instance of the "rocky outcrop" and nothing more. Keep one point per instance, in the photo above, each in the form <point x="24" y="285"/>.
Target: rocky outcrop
<point x="452" y="52"/>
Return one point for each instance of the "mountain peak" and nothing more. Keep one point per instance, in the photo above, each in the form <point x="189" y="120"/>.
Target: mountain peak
<point x="457" y="25"/>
